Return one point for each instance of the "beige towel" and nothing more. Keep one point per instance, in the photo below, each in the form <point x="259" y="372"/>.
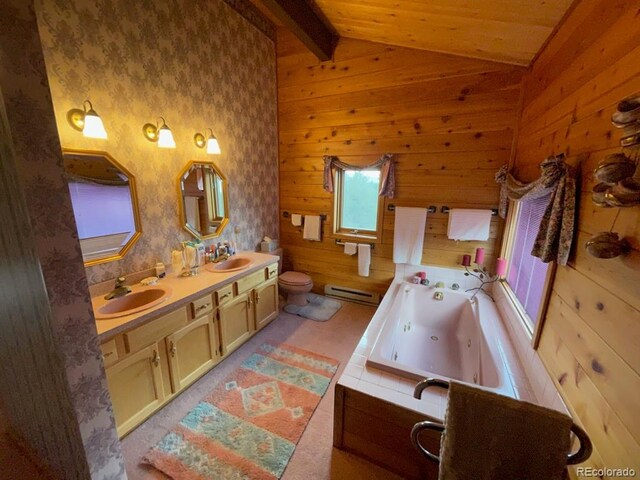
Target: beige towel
<point x="408" y="235"/>
<point x="364" y="259"/>
<point x="312" y="228"/>
<point x="350" y="248"/>
<point x="493" y="437"/>
<point x="469" y="224"/>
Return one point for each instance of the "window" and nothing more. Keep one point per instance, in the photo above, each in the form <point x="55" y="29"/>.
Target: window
<point x="527" y="278"/>
<point x="357" y="204"/>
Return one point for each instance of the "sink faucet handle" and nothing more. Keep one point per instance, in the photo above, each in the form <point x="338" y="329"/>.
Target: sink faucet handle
<point x="120" y="281"/>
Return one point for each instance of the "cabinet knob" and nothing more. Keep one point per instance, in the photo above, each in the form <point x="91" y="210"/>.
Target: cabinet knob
<point x="156" y="358"/>
<point x="257" y="297"/>
<point x="173" y="349"/>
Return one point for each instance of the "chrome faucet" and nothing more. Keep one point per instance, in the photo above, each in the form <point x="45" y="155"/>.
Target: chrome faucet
<point x="222" y="252"/>
<point x="119" y="291"/>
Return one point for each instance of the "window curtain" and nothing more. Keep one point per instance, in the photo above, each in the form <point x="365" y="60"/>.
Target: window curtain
<point x="384" y="163"/>
<point x="558" y="180"/>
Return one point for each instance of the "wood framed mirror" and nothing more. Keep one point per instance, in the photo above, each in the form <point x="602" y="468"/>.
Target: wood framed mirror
<point x="204" y="199"/>
<point x="105" y="205"/>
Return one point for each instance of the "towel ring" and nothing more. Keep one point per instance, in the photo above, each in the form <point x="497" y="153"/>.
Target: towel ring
<point x="583" y="453"/>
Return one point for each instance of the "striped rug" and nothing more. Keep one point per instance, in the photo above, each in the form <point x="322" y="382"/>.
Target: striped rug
<point x="248" y="427"/>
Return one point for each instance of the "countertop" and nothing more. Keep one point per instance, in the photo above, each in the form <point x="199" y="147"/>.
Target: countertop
<point x="184" y="290"/>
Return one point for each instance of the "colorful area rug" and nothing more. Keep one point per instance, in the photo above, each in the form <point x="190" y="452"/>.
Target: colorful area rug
<point x="248" y="427"/>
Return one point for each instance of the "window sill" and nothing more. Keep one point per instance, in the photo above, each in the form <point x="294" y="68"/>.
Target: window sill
<point x="517" y="308"/>
<point x="357" y="236"/>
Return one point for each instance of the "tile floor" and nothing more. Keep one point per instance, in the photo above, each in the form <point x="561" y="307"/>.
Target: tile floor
<point x="314" y="458"/>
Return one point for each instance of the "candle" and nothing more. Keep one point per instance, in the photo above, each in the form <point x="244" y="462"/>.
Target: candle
<point x="479" y="256"/>
<point x="501" y="267"/>
<point x="466" y="260"/>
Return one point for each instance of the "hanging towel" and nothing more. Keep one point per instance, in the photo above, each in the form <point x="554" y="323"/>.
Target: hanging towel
<point x="469" y="224"/>
<point x="364" y="259"/>
<point x="296" y="220"/>
<point x="519" y="439"/>
<point x="350" y="248"/>
<point x="312" y="228"/>
<point x="408" y="235"/>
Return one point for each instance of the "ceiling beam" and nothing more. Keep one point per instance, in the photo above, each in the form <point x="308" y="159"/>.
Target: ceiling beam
<point x="305" y="24"/>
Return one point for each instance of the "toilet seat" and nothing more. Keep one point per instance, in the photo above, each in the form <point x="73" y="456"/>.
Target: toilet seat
<point x="295" y="279"/>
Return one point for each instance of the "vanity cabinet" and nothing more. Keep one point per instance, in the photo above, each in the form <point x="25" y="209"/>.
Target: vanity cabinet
<point x="150" y="364"/>
<point x="236" y="322"/>
<point x="136" y="387"/>
<point x="266" y="303"/>
<point x="193" y="351"/>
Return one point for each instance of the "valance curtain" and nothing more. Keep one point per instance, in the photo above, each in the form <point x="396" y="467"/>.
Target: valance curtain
<point x="384" y="163"/>
<point x="558" y="181"/>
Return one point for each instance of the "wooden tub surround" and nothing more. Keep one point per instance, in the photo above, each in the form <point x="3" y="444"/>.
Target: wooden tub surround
<point x="152" y="356"/>
<point x="374" y="410"/>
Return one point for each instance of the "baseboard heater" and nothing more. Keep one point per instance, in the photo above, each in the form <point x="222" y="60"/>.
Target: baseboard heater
<point x="351" y="294"/>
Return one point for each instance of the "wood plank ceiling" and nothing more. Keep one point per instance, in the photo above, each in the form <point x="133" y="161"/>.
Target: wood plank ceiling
<point x="509" y="31"/>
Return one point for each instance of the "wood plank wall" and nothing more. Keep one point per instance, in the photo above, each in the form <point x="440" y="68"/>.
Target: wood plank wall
<point x="591" y="339"/>
<point x="449" y="120"/>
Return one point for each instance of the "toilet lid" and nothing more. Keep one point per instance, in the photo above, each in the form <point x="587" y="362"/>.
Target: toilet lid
<point x="294" y="278"/>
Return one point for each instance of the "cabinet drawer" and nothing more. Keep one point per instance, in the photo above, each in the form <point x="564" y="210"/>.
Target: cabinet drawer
<point x="109" y="352"/>
<point x="201" y="306"/>
<point x="247" y="283"/>
<point x="155" y="330"/>
<point x="272" y="271"/>
<point x="224" y="294"/>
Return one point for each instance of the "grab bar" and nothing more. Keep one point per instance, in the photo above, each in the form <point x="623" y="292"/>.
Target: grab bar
<point x="583" y="453"/>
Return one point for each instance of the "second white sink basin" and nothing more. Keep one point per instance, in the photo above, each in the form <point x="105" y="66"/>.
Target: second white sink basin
<point x="233" y="264"/>
<point x="133" y="302"/>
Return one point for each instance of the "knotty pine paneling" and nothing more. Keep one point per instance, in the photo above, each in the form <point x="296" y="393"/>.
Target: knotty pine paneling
<point x="449" y="120"/>
<point x="591" y="339"/>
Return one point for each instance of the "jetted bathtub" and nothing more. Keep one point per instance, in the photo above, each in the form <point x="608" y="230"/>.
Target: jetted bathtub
<point x="455" y="338"/>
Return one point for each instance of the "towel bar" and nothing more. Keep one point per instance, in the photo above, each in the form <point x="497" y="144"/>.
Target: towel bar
<point x="340" y="242"/>
<point x="445" y="210"/>
<point x="286" y="214"/>
<point x="430" y="209"/>
<point x="583" y="453"/>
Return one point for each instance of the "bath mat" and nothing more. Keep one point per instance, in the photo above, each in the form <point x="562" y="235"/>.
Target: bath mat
<point x="319" y="308"/>
<point x="248" y="427"/>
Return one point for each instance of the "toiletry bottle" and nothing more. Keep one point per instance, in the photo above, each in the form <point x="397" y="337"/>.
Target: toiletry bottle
<point x="160" y="270"/>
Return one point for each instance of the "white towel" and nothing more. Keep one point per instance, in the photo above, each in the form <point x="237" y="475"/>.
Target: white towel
<point x="408" y="235"/>
<point x="312" y="228"/>
<point x="350" y="248"/>
<point x="296" y="220"/>
<point x="469" y="224"/>
<point x="364" y="259"/>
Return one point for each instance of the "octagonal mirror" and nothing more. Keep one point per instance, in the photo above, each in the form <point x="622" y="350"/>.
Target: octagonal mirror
<point x="203" y="197"/>
<point x="105" y="205"/>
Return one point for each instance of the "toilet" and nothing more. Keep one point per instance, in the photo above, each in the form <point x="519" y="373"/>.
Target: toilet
<point x="294" y="286"/>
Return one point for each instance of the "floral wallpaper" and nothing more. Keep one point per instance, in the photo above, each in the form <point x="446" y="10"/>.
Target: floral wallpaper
<point x="198" y="64"/>
<point x="36" y="146"/>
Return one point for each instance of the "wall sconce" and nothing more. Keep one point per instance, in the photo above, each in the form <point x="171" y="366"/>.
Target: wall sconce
<point x="87" y="121"/>
<point x="213" y="148"/>
<point x="159" y="133"/>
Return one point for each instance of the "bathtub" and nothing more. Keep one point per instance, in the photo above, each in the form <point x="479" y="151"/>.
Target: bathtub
<point x="455" y="338"/>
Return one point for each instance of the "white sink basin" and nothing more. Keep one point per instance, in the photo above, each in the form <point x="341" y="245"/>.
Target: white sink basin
<point x="132" y="302"/>
<point x="233" y="264"/>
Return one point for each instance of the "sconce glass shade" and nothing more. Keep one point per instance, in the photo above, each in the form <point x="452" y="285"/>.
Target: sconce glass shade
<point x="87" y="121"/>
<point x="93" y="126"/>
<point x="165" y="137"/>
<point x="213" y="148"/>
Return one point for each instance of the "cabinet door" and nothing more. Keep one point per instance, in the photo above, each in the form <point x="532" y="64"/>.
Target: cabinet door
<point x="266" y="302"/>
<point x="236" y="322"/>
<point x="136" y="388"/>
<point x="192" y="351"/>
